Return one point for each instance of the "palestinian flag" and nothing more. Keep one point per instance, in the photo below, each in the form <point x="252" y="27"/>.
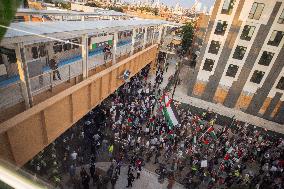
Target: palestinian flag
<point x="212" y="132"/>
<point x="130" y="122"/>
<point x="205" y="141"/>
<point x="170" y="113"/>
<point x="227" y="155"/>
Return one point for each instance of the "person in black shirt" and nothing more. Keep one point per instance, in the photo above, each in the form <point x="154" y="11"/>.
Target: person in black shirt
<point x="54" y="66"/>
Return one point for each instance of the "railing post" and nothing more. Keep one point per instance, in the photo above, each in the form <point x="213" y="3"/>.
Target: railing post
<point x="85" y="55"/>
<point x="160" y="34"/>
<point x="115" y="37"/>
<point x="145" y="38"/>
<point x="24" y="75"/>
<point x="69" y="70"/>
<point x="133" y="41"/>
<point x="51" y="80"/>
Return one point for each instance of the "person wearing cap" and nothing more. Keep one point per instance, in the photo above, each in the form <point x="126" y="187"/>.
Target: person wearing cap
<point x="53" y="64"/>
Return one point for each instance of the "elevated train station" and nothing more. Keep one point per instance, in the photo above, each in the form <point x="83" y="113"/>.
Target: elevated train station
<point x="35" y="107"/>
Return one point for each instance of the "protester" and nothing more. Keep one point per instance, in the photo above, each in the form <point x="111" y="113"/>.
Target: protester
<point x="197" y="151"/>
<point x="107" y="51"/>
<point x="53" y="64"/>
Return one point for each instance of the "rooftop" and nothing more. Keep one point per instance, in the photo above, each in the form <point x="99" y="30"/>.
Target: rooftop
<point x="27" y="31"/>
<point x="71" y="13"/>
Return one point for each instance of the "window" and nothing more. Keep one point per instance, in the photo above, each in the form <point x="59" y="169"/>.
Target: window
<point x="75" y="41"/>
<point x="239" y="52"/>
<point x="232" y="70"/>
<point x="208" y="65"/>
<point x="257" y="76"/>
<point x="228" y="7"/>
<point x="66" y="46"/>
<point x="214" y="47"/>
<point x="221" y="27"/>
<point x="247" y="32"/>
<point x="280" y="84"/>
<point x="275" y="38"/>
<point x="265" y="58"/>
<point x="281" y="18"/>
<point x="34" y="53"/>
<point x="256" y="10"/>
<point x="38" y="52"/>
<point x="42" y="51"/>
<point x="10" y="53"/>
<point x="57" y="47"/>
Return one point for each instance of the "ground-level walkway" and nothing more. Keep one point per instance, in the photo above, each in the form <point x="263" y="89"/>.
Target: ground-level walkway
<point x="148" y="179"/>
<point x="181" y="95"/>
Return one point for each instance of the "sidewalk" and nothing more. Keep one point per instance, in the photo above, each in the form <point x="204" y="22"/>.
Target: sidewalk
<point x="148" y="179"/>
<point x="181" y="95"/>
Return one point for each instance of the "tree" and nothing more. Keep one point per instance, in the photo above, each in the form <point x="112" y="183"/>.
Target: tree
<point x="66" y="5"/>
<point x="187" y="32"/>
<point x="118" y="9"/>
<point x="156" y="11"/>
<point x="92" y="4"/>
<point x="7" y="12"/>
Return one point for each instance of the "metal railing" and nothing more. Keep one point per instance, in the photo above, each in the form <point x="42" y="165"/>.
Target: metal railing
<point x="11" y="94"/>
<point x="50" y="78"/>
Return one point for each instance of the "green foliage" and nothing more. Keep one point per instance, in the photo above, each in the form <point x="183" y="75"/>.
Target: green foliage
<point x="118" y="9"/>
<point x="7" y="11"/>
<point x="63" y="5"/>
<point x="92" y="4"/>
<point x="187" y="32"/>
<point x="155" y="11"/>
<point x="4" y="186"/>
<point x="66" y="5"/>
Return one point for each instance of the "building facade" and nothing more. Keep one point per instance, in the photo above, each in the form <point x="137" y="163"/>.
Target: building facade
<point x="240" y="64"/>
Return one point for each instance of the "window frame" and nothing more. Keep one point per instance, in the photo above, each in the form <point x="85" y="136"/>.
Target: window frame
<point x="247" y="37"/>
<point x="213" y="50"/>
<point x="234" y="70"/>
<point x="210" y="65"/>
<point x="273" y="43"/>
<point x="235" y="52"/>
<point x="254" y="79"/>
<point x="263" y="55"/>
<point x="253" y="15"/>
<point x="229" y="9"/>
<point x="281" y="18"/>
<point x="224" y="27"/>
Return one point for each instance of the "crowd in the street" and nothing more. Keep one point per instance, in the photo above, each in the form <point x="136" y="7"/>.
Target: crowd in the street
<point x="130" y="128"/>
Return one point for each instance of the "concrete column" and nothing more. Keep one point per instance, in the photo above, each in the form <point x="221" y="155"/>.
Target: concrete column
<point x="85" y="55"/>
<point x="153" y="35"/>
<point x="133" y="41"/>
<point x="160" y="34"/>
<point x="24" y="75"/>
<point x="115" y="39"/>
<point x="145" y="38"/>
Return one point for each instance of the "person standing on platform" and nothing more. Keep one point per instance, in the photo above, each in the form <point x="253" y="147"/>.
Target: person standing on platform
<point x="53" y="64"/>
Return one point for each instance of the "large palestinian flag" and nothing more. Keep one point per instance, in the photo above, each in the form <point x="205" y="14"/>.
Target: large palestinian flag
<point x="170" y="113"/>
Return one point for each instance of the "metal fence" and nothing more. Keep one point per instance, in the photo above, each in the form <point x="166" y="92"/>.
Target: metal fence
<point x="11" y="94"/>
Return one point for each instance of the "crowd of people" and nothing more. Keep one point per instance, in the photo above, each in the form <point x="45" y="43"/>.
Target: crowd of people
<point x="130" y="128"/>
